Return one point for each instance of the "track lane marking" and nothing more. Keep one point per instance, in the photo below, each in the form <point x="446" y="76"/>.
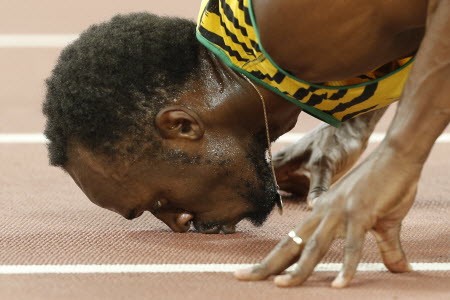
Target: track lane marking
<point x="36" y="40"/>
<point x="189" y="268"/>
<point x="288" y="138"/>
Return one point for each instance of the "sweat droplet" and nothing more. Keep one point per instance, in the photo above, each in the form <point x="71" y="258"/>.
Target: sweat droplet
<point x="267" y="155"/>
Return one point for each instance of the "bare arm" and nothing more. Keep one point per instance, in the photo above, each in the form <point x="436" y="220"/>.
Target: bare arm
<point x="424" y="110"/>
<point x="378" y="194"/>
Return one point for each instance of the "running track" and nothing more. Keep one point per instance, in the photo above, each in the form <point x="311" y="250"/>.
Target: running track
<point x="55" y="244"/>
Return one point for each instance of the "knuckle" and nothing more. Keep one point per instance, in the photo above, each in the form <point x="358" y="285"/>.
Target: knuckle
<point x="322" y="162"/>
<point x="318" y="189"/>
<point x="283" y="244"/>
<point x="357" y="211"/>
<point x="286" y="247"/>
<point x="352" y="213"/>
<point x="278" y="157"/>
<point x="312" y="244"/>
<point x="259" y="268"/>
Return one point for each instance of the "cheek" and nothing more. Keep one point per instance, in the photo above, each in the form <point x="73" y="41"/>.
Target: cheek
<point x="217" y="178"/>
<point x="213" y="189"/>
<point x="231" y="162"/>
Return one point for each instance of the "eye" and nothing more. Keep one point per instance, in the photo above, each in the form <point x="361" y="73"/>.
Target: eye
<point x="185" y="127"/>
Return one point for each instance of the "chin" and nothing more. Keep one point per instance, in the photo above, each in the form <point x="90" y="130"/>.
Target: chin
<point x="260" y="216"/>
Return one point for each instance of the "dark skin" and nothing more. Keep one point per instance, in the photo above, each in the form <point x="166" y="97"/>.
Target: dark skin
<point x="223" y="111"/>
<point x="209" y="121"/>
<point x="350" y="209"/>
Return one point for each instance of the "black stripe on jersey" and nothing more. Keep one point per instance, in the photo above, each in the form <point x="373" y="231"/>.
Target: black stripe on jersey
<point x="316" y="99"/>
<point x="366" y="77"/>
<point x="368" y="92"/>
<point x="218" y="40"/>
<point x="241" y="6"/>
<point x="234" y="37"/>
<point x="301" y="93"/>
<point x="255" y="45"/>
<point x="278" y="78"/>
<point x="354" y="114"/>
<point x="230" y="16"/>
<point x="338" y="95"/>
<point x="213" y="7"/>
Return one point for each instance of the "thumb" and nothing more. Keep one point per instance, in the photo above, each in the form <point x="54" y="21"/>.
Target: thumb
<point x="388" y="240"/>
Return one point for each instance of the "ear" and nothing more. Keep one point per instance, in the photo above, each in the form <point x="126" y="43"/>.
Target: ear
<point x="179" y="122"/>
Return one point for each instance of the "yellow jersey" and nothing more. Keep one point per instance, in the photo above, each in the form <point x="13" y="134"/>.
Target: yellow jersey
<point x="228" y="28"/>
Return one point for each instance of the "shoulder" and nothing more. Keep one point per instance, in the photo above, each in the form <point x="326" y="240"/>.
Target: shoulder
<point x="306" y="36"/>
<point x="298" y="34"/>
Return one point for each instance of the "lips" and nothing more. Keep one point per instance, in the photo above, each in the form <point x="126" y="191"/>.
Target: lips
<point x="214" y="228"/>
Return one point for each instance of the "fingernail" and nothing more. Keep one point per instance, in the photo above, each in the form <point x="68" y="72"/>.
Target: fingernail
<point x="409" y="267"/>
<point x="339" y="282"/>
<point x="282" y="280"/>
<point x="243" y="273"/>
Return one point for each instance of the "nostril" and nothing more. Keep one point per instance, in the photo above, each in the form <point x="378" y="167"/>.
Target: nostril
<point x="183" y="221"/>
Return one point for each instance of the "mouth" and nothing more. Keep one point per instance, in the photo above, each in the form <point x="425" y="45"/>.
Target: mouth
<point x="214" y="228"/>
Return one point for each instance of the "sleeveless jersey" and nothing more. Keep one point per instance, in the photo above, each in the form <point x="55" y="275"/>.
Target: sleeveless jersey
<point x="228" y="28"/>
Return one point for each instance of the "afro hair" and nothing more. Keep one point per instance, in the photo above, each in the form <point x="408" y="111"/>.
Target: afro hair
<point x="109" y="84"/>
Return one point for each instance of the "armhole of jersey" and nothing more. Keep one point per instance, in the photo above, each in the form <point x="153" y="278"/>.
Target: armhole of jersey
<point x="306" y="108"/>
<point x="316" y="113"/>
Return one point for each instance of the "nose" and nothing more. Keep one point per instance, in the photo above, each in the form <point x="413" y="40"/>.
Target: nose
<point x="178" y="222"/>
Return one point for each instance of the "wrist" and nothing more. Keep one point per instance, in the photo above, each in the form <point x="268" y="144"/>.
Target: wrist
<point x="363" y="125"/>
<point x="406" y="147"/>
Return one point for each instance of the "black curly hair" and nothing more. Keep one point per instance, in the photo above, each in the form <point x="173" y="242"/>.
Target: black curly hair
<point x="108" y="85"/>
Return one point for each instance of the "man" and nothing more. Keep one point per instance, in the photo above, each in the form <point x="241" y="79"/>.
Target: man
<point x="143" y="117"/>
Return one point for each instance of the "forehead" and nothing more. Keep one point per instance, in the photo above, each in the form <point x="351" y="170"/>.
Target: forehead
<point x="102" y="180"/>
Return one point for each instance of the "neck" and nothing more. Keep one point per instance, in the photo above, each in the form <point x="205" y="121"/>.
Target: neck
<point x="282" y="114"/>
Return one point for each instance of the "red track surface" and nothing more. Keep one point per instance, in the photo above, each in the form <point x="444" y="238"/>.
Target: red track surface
<point x="45" y="219"/>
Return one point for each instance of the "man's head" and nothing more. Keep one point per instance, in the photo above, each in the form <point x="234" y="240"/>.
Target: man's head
<point x="144" y="118"/>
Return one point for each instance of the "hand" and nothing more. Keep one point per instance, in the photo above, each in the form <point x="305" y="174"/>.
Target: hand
<point x="374" y="197"/>
<point x="308" y="167"/>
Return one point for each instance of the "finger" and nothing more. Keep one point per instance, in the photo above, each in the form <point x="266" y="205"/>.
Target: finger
<point x="314" y="250"/>
<point x="284" y="163"/>
<point x="352" y="254"/>
<point x="291" y="155"/>
<point x="290" y="159"/>
<point x="297" y="183"/>
<point x="394" y="257"/>
<point x="320" y="181"/>
<point x="282" y="256"/>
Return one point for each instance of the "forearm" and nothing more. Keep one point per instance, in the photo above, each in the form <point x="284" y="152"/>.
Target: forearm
<point x="424" y="110"/>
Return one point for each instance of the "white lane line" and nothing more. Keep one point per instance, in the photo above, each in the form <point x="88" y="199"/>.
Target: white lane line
<point x="288" y="138"/>
<point x="36" y="40"/>
<point x="22" y="138"/>
<point x="189" y="268"/>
